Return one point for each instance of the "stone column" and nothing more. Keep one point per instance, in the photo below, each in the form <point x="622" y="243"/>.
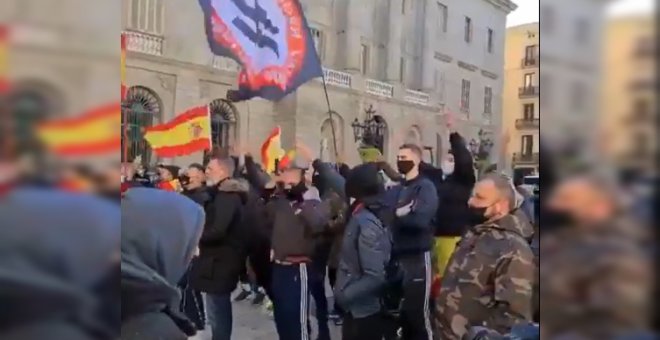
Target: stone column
<point x="394" y="45"/>
<point x="428" y="47"/>
<point x="352" y="35"/>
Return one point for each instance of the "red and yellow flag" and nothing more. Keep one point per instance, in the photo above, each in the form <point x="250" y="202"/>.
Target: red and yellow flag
<point x="286" y="160"/>
<point x="122" y="69"/>
<point x="271" y="150"/>
<point x="187" y="133"/>
<point x="95" y="132"/>
<point x="4" y="38"/>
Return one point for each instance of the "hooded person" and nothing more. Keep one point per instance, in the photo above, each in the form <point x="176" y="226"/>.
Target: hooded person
<point x="365" y="254"/>
<point x="52" y="261"/>
<point x="160" y="232"/>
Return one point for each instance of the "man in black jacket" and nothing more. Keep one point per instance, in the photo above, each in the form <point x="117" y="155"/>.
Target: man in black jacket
<point x="454" y="191"/>
<point x="297" y="217"/>
<point x="222" y="245"/>
<point x="416" y="203"/>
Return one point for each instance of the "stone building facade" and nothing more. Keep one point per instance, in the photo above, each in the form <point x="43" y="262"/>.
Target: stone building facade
<point x="521" y="110"/>
<point x="411" y="60"/>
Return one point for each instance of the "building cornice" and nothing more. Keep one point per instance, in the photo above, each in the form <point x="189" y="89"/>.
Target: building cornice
<point x="442" y="57"/>
<point x="467" y="66"/>
<point x="507" y="6"/>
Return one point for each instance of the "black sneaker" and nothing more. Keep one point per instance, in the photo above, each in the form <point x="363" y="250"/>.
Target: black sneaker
<point x="258" y="298"/>
<point x="244" y="294"/>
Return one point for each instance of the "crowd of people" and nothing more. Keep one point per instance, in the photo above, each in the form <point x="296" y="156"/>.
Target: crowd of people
<point x="411" y="251"/>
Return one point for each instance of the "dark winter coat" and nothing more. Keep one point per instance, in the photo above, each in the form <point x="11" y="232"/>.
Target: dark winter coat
<point x="296" y="225"/>
<point x="331" y="186"/>
<point x="223" y="247"/>
<point x="160" y="231"/>
<point x="451" y="218"/>
<point x="365" y="252"/>
<point x="200" y="195"/>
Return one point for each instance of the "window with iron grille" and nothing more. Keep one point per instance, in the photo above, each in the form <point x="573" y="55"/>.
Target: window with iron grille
<point x="488" y="100"/>
<point x="223" y="123"/>
<point x="31" y="102"/>
<point x="147" y="16"/>
<point x="528" y="111"/>
<point x="530" y="54"/>
<point x="139" y="110"/>
<point x="465" y="95"/>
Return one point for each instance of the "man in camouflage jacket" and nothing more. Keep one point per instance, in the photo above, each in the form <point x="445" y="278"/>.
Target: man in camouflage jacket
<point x="488" y="281"/>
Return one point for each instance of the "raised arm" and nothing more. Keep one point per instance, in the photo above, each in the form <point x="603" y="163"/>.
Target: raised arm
<point x="463" y="162"/>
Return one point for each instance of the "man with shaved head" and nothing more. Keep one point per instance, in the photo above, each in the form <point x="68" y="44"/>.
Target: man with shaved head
<point x="608" y="292"/>
<point x="488" y="281"/>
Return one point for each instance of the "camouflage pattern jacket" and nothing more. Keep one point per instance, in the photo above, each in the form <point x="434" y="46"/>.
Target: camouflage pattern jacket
<point x="488" y="281"/>
<point x="608" y="292"/>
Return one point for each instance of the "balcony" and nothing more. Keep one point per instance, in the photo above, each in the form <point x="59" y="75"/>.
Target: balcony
<point x="338" y="78"/>
<point x="379" y="88"/>
<point x="417" y="97"/>
<point x="225" y="64"/>
<point x="528" y="91"/>
<point x="528" y="123"/>
<point x="530" y="62"/>
<point x="144" y="42"/>
<point x="526" y="158"/>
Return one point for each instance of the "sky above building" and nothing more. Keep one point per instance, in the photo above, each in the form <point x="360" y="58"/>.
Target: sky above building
<point x="528" y="10"/>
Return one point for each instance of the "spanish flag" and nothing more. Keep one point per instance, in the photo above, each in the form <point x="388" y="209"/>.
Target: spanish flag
<point x="4" y="37"/>
<point x="187" y="133"/>
<point x="95" y="132"/>
<point x="122" y="66"/>
<point x="271" y="150"/>
<point x="286" y="160"/>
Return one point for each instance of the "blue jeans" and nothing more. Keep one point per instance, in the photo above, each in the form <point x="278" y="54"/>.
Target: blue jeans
<point x="219" y="314"/>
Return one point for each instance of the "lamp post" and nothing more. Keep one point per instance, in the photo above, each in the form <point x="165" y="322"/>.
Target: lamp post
<point x="370" y="132"/>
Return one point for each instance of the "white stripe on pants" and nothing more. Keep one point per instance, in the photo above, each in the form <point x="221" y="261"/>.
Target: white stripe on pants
<point x="427" y="294"/>
<point x="303" y="302"/>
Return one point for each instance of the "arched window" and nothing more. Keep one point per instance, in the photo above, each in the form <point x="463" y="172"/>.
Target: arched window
<point x="223" y="123"/>
<point x="30" y="102"/>
<point x="327" y="144"/>
<point x="138" y="112"/>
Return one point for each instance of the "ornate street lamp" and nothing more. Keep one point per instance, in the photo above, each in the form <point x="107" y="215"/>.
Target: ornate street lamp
<point x="370" y="132"/>
<point x="474" y="147"/>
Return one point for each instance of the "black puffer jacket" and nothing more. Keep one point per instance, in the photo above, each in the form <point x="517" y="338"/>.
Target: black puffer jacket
<point x="223" y="247"/>
<point x="454" y="191"/>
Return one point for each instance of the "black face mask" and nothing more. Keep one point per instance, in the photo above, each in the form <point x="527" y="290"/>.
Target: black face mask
<point x="477" y="215"/>
<point x="557" y="218"/>
<point x="404" y="167"/>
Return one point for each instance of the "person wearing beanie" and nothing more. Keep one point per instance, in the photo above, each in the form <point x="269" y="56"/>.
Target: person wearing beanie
<point x="297" y="217"/>
<point x="365" y="253"/>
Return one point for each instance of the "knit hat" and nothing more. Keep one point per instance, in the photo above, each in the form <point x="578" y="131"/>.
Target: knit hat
<point x="364" y="181"/>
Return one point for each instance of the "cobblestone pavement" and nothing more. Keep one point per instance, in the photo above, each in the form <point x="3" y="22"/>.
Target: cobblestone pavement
<point x="255" y="323"/>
